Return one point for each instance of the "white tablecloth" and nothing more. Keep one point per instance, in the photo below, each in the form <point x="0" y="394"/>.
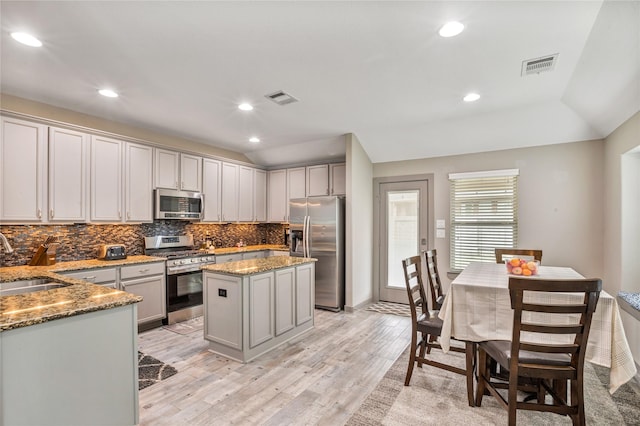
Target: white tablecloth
<point x="477" y="308"/>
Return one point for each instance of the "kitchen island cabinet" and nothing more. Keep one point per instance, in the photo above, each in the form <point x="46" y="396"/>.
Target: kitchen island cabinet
<point x="253" y="306"/>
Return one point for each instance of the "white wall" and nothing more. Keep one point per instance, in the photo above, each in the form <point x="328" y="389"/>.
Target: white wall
<point x="617" y="249"/>
<point x="359" y="225"/>
<point x="560" y="199"/>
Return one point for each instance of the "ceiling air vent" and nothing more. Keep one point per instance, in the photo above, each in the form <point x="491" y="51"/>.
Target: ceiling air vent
<point x="538" y="65"/>
<point x="281" y="98"/>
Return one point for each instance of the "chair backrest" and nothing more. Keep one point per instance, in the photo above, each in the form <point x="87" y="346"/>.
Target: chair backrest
<point x="508" y="253"/>
<point x="415" y="288"/>
<point x="572" y="316"/>
<point x="437" y="297"/>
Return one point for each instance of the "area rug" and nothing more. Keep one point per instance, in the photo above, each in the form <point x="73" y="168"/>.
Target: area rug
<point x="187" y="327"/>
<point x="151" y="370"/>
<point x="390" y="308"/>
<point x="437" y="396"/>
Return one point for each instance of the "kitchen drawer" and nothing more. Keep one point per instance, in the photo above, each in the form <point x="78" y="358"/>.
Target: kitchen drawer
<point x="141" y="270"/>
<point x="228" y="257"/>
<point x="96" y="276"/>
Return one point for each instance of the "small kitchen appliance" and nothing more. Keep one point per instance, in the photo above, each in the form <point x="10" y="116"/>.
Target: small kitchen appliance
<point x="183" y="274"/>
<point x="112" y="252"/>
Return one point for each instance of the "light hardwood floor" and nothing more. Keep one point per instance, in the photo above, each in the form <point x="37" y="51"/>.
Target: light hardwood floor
<point x="321" y="377"/>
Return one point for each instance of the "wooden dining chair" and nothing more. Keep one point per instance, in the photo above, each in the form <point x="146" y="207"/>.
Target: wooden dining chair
<point x="551" y="364"/>
<point x="437" y="296"/>
<point x="425" y="324"/>
<point x="501" y="253"/>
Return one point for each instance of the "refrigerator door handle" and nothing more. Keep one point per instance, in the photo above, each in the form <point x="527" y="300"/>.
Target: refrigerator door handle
<point x="306" y="235"/>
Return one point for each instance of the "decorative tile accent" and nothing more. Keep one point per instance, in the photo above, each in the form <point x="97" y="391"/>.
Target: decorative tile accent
<point x="81" y="241"/>
<point x="151" y="370"/>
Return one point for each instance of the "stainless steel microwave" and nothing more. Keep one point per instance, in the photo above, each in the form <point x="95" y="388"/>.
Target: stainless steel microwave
<point x="184" y="205"/>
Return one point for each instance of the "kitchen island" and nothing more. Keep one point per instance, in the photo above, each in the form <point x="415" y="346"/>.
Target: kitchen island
<point x="69" y="355"/>
<point x="252" y="306"/>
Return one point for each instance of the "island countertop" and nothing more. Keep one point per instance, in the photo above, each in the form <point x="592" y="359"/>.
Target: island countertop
<point x="256" y="266"/>
<point x="80" y="297"/>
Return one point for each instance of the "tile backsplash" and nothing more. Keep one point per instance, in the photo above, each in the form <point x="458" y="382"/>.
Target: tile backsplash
<point x="81" y="241"/>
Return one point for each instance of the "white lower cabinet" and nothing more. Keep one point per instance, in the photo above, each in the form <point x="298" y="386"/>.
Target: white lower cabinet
<point x="248" y="315"/>
<point x="146" y="280"/>
<point x="107" y="277"/>
<point x="78" y="370"/>
<point x="261" y="309"/>
<point x="285" y="298"/>
<point x="224" y="258"/>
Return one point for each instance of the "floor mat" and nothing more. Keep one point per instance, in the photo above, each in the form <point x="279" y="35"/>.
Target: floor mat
<point x="151" y="370"/>
<point x="390" y="308"/>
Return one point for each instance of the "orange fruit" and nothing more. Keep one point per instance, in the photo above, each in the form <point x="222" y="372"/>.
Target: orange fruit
<point x="515" y="262"/>
<point x="526" y="272"/>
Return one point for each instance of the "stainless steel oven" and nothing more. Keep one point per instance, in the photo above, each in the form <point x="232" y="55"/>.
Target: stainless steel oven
<point x="184" y="277"/>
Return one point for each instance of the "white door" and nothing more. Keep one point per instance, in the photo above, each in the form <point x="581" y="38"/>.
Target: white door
<point x="403" y="233"/>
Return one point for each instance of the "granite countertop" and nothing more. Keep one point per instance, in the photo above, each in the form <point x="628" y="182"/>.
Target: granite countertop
<point x="80" y="297"/>
<point x="246" y="249"/>
<point x="256" y="266"/>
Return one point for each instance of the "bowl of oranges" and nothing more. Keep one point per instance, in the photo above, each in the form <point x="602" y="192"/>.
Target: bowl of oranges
<point x="523" y="267"/>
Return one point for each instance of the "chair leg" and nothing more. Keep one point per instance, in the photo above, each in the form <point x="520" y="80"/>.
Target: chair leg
<point x="423" y="347"/>
<point x="577" y="399"/>
<point x="431" y="340"/>
<point x="470" y="352"/>
<point x="483" y="373"/>
<point x="412" y="359"/>
<point x="512" y="402"/>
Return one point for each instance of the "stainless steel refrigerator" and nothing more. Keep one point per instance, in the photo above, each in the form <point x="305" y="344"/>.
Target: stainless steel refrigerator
<point x="316" y="226"/>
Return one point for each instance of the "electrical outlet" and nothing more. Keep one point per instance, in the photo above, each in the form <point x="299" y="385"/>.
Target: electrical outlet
<point x="440" y="233"/>
<point x="440" y="223"/>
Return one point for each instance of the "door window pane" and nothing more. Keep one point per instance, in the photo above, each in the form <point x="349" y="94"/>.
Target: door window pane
<point x="402" y="232"/>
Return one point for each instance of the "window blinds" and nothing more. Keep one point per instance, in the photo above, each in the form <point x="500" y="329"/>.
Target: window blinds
<point x="484" y="215"/>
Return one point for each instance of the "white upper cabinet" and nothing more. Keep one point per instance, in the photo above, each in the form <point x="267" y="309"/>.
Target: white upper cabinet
<point x="211" y="188"/>
<point x="245" y="196"/>
<point x="260" y="195"/>
<point x="317" y="180"/>
<point x="296" y="183"/>
<point x="68" y="152"/>
<point x="23" y="171"/>
<point x="337" y="179"/>
<point x="190" y="173"/>
<point x="167" y="169"/>
<point x="277" y="196"/>
<point x="106" y="179"/>
<point x="138" y="180"/>
<point x="229" y="192"/>
<point x="175" y="170"/>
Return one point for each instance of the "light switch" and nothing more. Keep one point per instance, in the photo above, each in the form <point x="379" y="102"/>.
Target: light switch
<point x="440" y="233"/>
<point x="440" y="224"/>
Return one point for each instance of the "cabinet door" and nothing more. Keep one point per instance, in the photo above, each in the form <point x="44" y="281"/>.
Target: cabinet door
<point x="106" y="179"/>
<point x="277" y="196"/>
<point x="166" y="169"/>
<point x="337" y="178"/>
<point x="259" y="195"/>
<point x="305" y="297"/>
<point x="317" y="180"/>
<point x="253" y="255"/>
<point x="211" y="183"/>
<point x="68" y="152"/>
<point x="23" y="171"/>
<point x="190" y="173"/>
<point x="296" y="186"/>
<point x="245" y="196"/>
<point x="260" y="309"/>
<point x="101" y="276"/>
<point x="223" y="309"/>
<point x="229" y="192"/>
<point x="152" y="289"/>
<point x="284" y="298"/>
<point x="138" y="166"/>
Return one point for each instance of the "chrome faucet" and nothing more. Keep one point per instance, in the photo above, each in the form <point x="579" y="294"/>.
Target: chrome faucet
<point x="5" y="244"/>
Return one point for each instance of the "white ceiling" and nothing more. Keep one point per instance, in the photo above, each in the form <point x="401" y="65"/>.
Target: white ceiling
<point x="375" y="69"/>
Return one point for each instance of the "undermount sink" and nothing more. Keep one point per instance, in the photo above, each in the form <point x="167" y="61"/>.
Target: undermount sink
<point x="29" y="286"/>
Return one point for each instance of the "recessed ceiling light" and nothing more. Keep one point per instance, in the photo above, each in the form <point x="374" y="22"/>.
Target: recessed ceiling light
<point x="254" y="139"/>
<point x="451" y="29"/>
<point x="471" y="97"/>
<point x="245" y="107"/>
<point x="108" y="93"/>
<point x="27" y="39"/>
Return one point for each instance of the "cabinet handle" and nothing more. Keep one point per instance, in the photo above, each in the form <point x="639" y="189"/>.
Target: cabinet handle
<point x="39" y="213"/>
<point x="128" y="215"/>
<point x="51" y="213"/>
<point x="182" y="187"/>
<point x="176" y="184"/>
<point x="142" y="271"/>
<point x="119" y="214"/>
<point x="90" y="278"/>
<point x="124" y="286"/>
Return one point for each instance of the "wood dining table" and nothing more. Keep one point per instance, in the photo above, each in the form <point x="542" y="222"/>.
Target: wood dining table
<point x="477" y="308"/>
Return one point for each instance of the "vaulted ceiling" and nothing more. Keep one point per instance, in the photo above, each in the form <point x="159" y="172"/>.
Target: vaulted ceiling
<point x="376" y="69"/>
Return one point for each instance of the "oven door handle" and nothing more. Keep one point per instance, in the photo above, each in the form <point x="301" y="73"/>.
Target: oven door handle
<point x="172" y="270"/>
